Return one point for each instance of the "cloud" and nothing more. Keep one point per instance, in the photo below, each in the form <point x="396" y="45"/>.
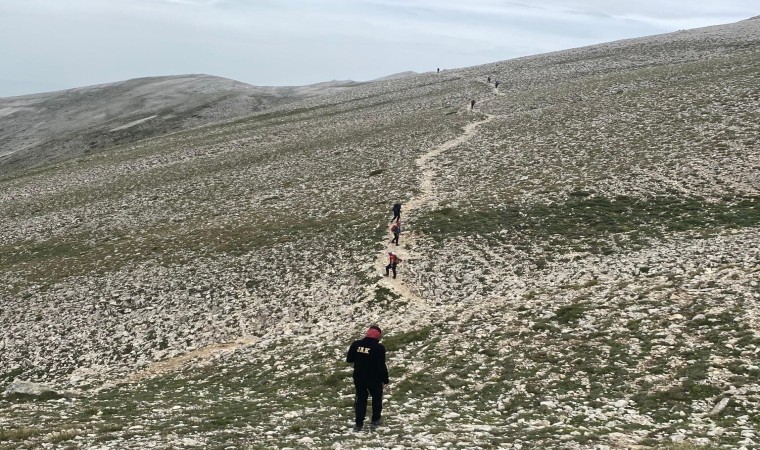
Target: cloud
<point x="80" y="42"/>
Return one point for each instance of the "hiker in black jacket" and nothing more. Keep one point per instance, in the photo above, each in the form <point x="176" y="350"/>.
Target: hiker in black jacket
<point x="396" y="212"/>
<point x="370" y="375"/>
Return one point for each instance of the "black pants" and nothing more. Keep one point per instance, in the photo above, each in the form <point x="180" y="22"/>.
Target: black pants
<point x="395" y="238"/>
<point x="389" y="267"/>
<point x="363" y="391"/>
<point x="396" y="216"/>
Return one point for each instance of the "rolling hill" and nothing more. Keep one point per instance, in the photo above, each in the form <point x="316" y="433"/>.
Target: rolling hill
<point x="51" y="127"/>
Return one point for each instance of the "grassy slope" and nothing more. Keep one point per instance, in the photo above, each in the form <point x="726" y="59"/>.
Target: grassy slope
<point x="591" y="254"/>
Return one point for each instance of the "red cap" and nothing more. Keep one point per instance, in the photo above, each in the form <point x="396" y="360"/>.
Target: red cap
<point x="374" y="332"/>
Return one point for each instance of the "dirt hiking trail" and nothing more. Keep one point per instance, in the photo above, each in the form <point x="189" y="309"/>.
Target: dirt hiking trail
<point x="425" y="198"/>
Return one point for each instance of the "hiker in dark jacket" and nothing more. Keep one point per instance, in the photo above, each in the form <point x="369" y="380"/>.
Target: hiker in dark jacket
<point x="396" y="212"/>
<point x="472" y="105"/>
<point x="393" y="261"/>
<point x="370" y="375"/>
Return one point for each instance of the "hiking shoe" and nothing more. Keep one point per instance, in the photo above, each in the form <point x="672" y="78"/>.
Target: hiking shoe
<point x="376" y="423"/>
<point x="357" y="428"/>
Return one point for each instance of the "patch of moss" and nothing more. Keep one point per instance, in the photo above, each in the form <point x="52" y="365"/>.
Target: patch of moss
<point x="588" y="221"/>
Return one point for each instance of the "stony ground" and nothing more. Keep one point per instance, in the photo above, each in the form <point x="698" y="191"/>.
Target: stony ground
<point x="580" y="270"/>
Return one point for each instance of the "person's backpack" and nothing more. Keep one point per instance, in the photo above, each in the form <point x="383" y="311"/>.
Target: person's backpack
<point x="395" y="229"/>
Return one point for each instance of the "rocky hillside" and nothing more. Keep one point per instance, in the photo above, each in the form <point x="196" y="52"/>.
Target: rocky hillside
<point x="581" y="264"/>
<point x="41" y="129"/>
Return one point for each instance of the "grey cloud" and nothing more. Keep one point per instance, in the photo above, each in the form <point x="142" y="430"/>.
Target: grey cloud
<point x="77" y="42"/>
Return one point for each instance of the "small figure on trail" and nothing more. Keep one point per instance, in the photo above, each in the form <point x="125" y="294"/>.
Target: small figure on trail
<point x="393" y="261"/>
<point x="396" y="212"/>
<point x="489" y="78"/>
<point x="370" y="375"/>
<point x="472" y="105"/>
<point x="496" y="84"/>
<point x="439" y="70"/>
<point x="396" y="230"/>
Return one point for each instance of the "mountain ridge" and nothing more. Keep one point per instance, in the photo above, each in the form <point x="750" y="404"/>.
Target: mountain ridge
<point x="43" y="128"/>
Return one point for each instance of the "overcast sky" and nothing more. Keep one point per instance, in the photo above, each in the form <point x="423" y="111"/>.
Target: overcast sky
<point x="48" y="45"/>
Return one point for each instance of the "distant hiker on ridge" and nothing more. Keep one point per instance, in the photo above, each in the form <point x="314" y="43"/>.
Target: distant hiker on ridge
<point x="396" y="212"/>
<point x="472" y="105"/>
<point x="396" y="230"/>
<point x="438" y="71"/>
<point x="496" y="84"/>
<point x="489" y="78"/>
<point x="393" y="261"/>
<point x="370" y="375"/>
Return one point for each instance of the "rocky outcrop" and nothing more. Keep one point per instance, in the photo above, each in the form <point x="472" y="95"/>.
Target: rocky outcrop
<point x="19" y="390"/>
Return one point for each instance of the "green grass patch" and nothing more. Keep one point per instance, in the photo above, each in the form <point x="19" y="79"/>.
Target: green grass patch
<point x="401" y="340"/>
<point x="676" y="398"/>
<point x="18" y="434"/>
<point x="588" y="221"/>
<point x="384" y="295"/>
<point x="570" y="313"/>
<point x="11" y="375"/>
<point x="43" y="396"/>
<point x="73" y="255"/>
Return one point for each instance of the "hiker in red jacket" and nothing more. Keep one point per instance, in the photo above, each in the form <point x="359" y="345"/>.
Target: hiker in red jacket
<point x="370" y="375"/>
<point x="393" y="260"/>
